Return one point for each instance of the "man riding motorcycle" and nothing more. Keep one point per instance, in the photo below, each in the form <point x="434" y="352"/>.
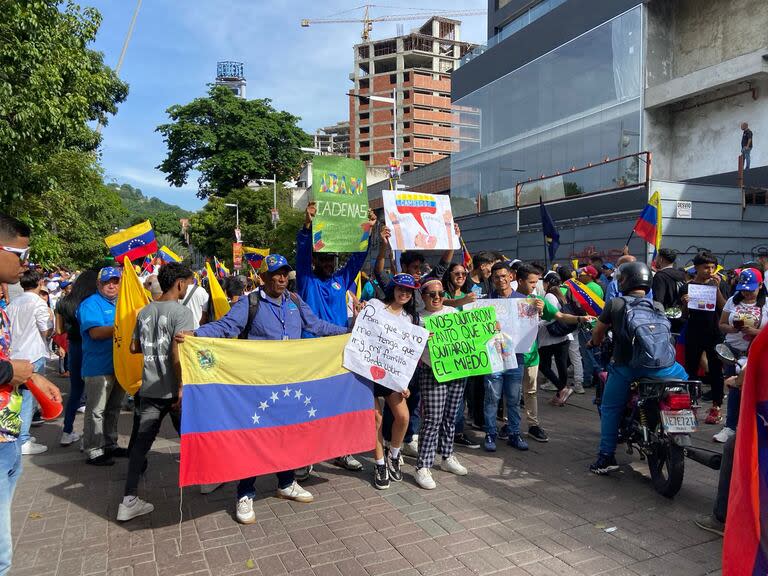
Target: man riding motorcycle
<point x="634" y="282"/>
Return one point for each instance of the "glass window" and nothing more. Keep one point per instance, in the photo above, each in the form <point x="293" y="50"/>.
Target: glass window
<point x="578" y="104"/>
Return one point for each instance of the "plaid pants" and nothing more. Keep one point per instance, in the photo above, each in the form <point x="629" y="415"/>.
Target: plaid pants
<point x="439" y="403"/>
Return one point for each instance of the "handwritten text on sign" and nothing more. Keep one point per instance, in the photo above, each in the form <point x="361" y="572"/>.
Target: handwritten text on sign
<point x="457" y="346"/>
<point x="383" y="347"/>
<point x="518" y="318"/>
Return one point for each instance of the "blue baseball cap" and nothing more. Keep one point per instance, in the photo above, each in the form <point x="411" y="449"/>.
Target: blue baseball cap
<point x="107" y="273"/>
<point x="749" y="280"/>
<point x="275" y="262"/>
<point x="608" y="266"/>
<point x="405" y="281"/>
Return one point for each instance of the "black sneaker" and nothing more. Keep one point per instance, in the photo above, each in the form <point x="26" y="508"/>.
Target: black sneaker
<point x="538" y="434"/>
<point x="119" y="452"/>
<point x="605" y="463"/>
<point x="462" y="440"/>
<point x="395" y="474"/>
<point x="706" y="397"/>
<point x="381" y="476"/>
<point x="37" y="419"/>
<point x="103" y="460"/>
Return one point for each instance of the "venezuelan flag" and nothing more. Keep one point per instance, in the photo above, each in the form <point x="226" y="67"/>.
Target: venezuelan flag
<point x="168" y="255"/>
<point x="745" y="547"/>
<point x="221" y="270"/>
<point x="466" y="256"/>
<point x="255" y="256"/>
<point x="590" y="302"/>
<point x="133" y="242"/>
<point x="271" y="413"/>
<point x="648" y="225"/>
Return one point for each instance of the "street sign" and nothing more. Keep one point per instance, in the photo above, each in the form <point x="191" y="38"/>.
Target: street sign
<point x="684" y="209"/>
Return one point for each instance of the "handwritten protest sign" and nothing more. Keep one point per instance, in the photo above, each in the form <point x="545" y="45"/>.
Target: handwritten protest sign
<point x="383" y="347"/>
<point x="457" y="346"/>
<point x="518" y="318"/>
<point x="702" y="297"/>
<point x="419" y="221"/>
<point x="340" y="192"/>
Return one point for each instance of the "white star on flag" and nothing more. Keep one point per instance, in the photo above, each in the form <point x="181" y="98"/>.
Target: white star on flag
<point x="307" y="400"/>
<point x="286" y="392"/>
<point x="255" y="418"/>
<point x="298" y="394"/>
<point x="263" y="405"/>
<point x="311" y="412"/>
<point x="274" y="396"/>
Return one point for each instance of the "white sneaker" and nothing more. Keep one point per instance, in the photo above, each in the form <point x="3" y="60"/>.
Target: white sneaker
<point x="245" y="513"/>
<point x="81" y="409"/>
<point x="136" y="508"/>
<point x="548" y="386"/>
<point x="452" y="465"/>
<point x="68" y="438"/>
<point x="578" y="388"/>
<point x="410" y="448"/>
<point x="722" y="436"/>
<point x="296" y="493"/>
<point x="31" y="448"/>
<point x="208" y="488"/>
<point x="424" y="479"/>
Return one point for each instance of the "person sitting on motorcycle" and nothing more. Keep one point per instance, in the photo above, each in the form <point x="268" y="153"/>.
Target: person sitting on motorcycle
<point x="634" y="281"/>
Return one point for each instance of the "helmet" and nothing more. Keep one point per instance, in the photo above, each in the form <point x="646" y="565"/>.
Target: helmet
<point x="634" y="276"/>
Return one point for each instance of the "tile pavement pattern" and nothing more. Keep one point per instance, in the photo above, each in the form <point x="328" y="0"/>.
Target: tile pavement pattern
<point x="518" y="514"/>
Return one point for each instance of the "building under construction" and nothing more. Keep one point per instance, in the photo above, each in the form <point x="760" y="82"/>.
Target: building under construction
<point x="415" y="69"/>
<point x="333" y="139"/>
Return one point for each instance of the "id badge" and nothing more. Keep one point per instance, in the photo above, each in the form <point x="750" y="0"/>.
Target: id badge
<point x="285" y="337"/>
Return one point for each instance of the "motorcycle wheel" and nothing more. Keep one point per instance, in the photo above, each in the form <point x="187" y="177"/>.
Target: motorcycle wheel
<point x="666" y="462"/>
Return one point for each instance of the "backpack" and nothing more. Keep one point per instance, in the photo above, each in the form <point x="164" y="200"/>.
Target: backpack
<point x="253" y="307"/>
<point x="648" y="331"/>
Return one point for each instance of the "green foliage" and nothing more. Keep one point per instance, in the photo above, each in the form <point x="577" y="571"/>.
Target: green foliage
<point x="211" y="229"/>
<point x="231" y="142"/>
<point x="172" y="241"/>
<point x="51" y="86"/>
<point x="164" y="217"/>
<point x="69" y="222"/>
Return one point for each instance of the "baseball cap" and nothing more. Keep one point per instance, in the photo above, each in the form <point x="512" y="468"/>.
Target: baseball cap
<point x="405" y="281"/>
<point x="608" y="266"/>
<point x="590" y="271"/>
<point x="109" y="272"/>
<point x="749" y="279"/>
<point x="275" y="262"/>
<point x="52" y="286"/>
<point x="64" y="284"/>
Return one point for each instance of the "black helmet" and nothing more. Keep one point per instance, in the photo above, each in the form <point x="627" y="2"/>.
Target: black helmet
<point x="634" y="276"/>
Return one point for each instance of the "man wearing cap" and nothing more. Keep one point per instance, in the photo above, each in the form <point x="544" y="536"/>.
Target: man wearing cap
<point x="588" y="276"/>
<point x="96" y="316"/>
<point x="277" y="315"/>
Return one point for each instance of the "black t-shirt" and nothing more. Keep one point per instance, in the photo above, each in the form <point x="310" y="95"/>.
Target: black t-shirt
<point x="745" y="139"/>
<point x="667" y="286"/>
<point x="613" y="315"/>
<point x="702" y="324"/>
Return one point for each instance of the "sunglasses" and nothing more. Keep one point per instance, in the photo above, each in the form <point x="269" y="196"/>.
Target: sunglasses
<point x="22" y="253"/>
<point x="433" y="294"/>
<point x="459" y="273"/>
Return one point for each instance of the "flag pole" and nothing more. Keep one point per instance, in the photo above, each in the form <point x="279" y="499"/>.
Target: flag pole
<point x="630" y="237"/>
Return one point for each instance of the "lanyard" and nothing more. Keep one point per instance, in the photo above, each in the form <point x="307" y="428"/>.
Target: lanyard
<point x="280" y="317"/>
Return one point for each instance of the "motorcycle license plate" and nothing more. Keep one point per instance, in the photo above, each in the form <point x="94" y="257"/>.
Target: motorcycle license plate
<point x="679" y="421"/>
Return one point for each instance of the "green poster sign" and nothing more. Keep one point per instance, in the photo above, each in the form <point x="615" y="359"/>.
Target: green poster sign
<point x="458" y="344"/>
<point x="340" y="192"/>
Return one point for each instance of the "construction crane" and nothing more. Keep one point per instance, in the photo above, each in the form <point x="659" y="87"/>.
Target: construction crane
<point x="367" y="20"/>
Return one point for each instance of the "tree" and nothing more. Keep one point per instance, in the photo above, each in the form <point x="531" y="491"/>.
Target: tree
<point x="231" y="142"/>
<point x="51" y="86"/>
<point x="211" y="229"/>
<point x="164" y="217"/>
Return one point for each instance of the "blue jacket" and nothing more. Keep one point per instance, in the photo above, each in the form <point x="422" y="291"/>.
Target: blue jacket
<point x="272" y="322"/>
<point x="327" y="298"/>
<point x="612" y="291"/>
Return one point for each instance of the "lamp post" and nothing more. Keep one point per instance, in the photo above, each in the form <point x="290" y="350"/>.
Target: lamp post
<point x="273" y="181"/>
<point x="236" y="206"/>
<point x="387" y="100"/>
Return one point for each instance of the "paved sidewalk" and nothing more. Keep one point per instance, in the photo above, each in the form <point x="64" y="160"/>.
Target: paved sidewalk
<point x="537" y="513"/>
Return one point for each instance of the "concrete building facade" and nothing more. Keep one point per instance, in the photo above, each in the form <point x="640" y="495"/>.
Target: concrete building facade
<point x="415" y="69"/>
<point x="565" y="84"/>
<point x="333" y="139"/>
<point x="231" y="75"/>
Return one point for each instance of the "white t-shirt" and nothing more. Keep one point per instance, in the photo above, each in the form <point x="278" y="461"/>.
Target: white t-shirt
<point x="197" y="303"/>
<point x="545" y="338"/>
<point x="29" y="317"/>
<point x="753" y="317"/>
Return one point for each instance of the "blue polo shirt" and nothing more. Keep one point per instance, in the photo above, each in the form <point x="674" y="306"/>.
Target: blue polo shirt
<point x="93" y="312"/>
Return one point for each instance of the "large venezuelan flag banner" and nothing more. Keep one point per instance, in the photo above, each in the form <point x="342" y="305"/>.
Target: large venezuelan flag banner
<point x="745" y="547"/>
<point x="252" y="407"/>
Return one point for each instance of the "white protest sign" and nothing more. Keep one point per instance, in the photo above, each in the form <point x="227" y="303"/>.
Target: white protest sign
<point x="702" y="297"/>
<point x="419" y="221"/>
<point x="383" y="347"/>
<point x="518" y="318"/>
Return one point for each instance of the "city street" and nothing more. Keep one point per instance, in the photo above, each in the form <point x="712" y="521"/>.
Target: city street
<point x="539" y="513"/>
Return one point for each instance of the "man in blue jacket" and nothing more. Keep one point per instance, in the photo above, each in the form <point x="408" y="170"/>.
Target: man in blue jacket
<point x="324" y="289"/>
<point x="279" y="315"/>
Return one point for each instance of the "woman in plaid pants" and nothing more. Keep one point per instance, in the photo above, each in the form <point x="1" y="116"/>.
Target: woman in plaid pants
<point x="439" y="402"/>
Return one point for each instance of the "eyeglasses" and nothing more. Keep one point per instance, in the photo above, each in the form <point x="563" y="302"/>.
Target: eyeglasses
<point x="22" y="253"/>
<point x="459" y="273"/>
<point x="433" y="294"/>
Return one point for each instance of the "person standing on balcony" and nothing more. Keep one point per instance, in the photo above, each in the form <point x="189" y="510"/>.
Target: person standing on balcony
<point x="746" y="144"/>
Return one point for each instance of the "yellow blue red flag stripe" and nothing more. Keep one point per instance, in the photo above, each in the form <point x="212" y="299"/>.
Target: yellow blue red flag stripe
<point x="168" y="255"/>
<point x="648" y="225"/>
<point x="255" y="256"/>
<point x="590" y="302"/>
<point x="134" y="242"/>
<point x="271" y="413"/>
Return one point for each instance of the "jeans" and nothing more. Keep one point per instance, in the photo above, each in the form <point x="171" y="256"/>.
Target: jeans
<point x="720" y="510"/>
<point x="587" y="360"/>
<point x="247" y="486"/>
<point x="102" y="411"/>
<point x="76" y="384"/>
<point x="746" y="152"/>
<point x="413" y="413"/>
<point x="510" y="384"/>
<point x="616" y="395"/>
<point x="29" y="404"/>
<point x="10" y="471"/>
<point x="733" y="401"/>
<point x="458" y="422"/>
<point x="151" y="412"/>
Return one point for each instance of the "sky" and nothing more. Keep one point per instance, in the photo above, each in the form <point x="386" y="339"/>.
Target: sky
<point x="175" y="46"/>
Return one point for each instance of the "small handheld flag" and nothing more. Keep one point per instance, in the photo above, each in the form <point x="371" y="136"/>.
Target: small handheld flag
<point x="134" y="242"/>
<point x="255" y="256"/>
<point x="221" y="270"/>
<point x="648" y="225"/>
<point x="168" y="255"/>
<point x="466" y="256"/>
<point x="219" y="299"/>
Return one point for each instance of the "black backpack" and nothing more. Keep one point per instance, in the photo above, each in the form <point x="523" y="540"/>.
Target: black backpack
<point x="253" y="307"/>
<point x="648" y="330"/>
<point x="558" y="328"/>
